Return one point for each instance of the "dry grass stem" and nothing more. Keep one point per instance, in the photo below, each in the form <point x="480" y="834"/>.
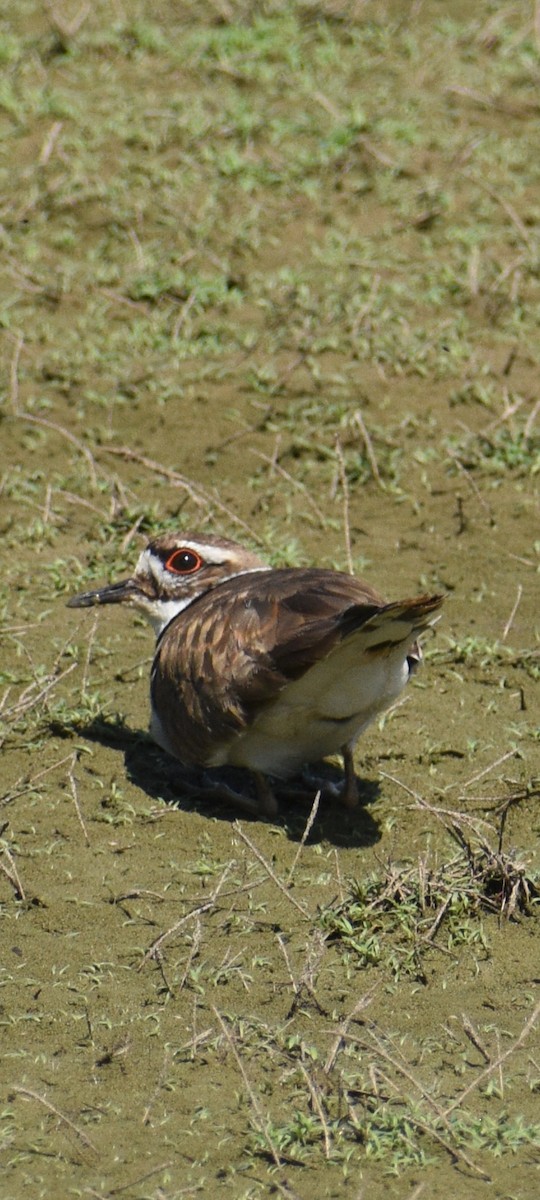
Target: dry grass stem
<point x="531" y="419"/>
<point x="399" y="1064"/>
<point x="28" y="1094"/>
<point x="510" y="620"/>
<point x="166" y="1166"/>
<point x="183" y="315"/>
<point x="12" y="874"/>
<point x="449" y="817"/>
<point x="473" y="1036"/>
<point x="27" y="701"/>
<point x="46" y="511"/>
<point x="259" y="1117"/>
<point x="314" y="1092"/>
<point x="89" y="647"/>
<point x="472" y="484"/>
<point x="162" y="1077"/>
<point x="441" y="913"/>
<point x="285" y="954"/>
<point x="366" y="308"/>
<point x="190" y="916"/>
<point x="339" y="877"/>
<point x="73" y="499"/>
<point x="508" y="208"/>
<point x="26" y="783"/>
<point x="14" y="375"/>
<point x="342" y="471"/>
<point x="307" y="830"/>
<point x="487" y="770"/>
<point x="75" y="797"/>
<point x="44" y="423"/>
<point x="193" y="953"/>
<point x="131" y="533"/>
<point x="248" y="430"/>
<point x="200" y="498"/>
<point x="50" y="142"/>
<point x="270" y="872"/>
<point x="510" y="410"/>
<point x="301" y="359"/>
<point x="343" y="1029"/>
<point x="359" y="421"/>
<point x="497" y="1063"/>
<point x="66" y="29"/>
<point x="306" y="981"/>
<point x="455" y="1152"/>
<point x="497" y="880"/>
<point x="294" y="483"/>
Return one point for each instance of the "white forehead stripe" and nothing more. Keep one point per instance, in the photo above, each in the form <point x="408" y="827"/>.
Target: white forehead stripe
<point x="150" y="565"/>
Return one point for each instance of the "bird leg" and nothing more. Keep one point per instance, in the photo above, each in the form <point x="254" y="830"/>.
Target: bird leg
<point x="349" y="795"/>
<point x="347" y="791"/>
<point x="267" y="801"/>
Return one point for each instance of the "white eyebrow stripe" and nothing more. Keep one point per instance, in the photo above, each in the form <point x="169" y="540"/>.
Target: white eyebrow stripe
<point x="213" y="554"/>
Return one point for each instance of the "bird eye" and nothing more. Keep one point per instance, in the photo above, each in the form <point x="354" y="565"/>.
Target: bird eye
<point x="184" y="562"/>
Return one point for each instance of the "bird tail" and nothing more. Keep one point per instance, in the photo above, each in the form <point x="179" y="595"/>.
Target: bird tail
<point x="400" y="621"/>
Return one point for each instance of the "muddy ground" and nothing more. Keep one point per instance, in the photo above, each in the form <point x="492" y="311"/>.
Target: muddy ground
<point x="270" y="271"/>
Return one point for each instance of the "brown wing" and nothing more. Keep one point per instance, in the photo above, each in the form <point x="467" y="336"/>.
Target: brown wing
<point x="240" y="644"/>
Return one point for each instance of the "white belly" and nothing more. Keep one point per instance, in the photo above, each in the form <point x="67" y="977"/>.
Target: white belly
<point x="319" y="714"/>
<point x="157" y="732"/>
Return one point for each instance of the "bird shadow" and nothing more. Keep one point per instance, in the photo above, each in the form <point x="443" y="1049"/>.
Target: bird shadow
<point x="164" y="778"/>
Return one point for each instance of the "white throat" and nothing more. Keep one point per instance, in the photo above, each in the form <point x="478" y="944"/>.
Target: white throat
<point x="160" y="612"/>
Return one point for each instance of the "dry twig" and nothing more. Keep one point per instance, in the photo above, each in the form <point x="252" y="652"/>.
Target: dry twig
<point x="496" y="1063"/>
<point x="307" y="830"/>
<point x="260" y="1118"/>
<point x="295" y="483"/>
<point x="197" y="494"/>
<point x="12" y="873"/>
<point x="28" y="1094"/>
<point x="510" y="620"/>
<point x="359" y="421"/>
<point x="75" y="797"/>
<point x="156" y="945"/>
<point x="270" y="872"/>
<point x="346" y="504"/>
<point x="70" y="437"/>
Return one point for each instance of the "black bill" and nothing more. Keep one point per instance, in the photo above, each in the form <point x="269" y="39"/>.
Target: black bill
<point x="112" y="593"/>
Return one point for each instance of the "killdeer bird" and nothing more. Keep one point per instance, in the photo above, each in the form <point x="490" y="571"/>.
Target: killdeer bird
<point x="263" y="668"/>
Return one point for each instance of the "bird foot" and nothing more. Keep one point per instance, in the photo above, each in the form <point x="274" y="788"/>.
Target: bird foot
<point x="212" y="791"/>
<point x="264" y="803"/>
<point x="344" y="792"/>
